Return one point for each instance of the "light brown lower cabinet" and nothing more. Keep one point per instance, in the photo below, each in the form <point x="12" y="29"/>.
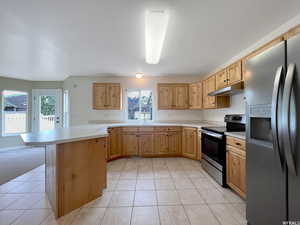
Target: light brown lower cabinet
<point x="161" y="143"/>
<point x="75" y="174"/>
<point x="236" y="169"/>
<point x="174" y="143"/>
<point x="199" y="157"/>
<point x="168" y="143"/>
<point x="190" y="142"/>
<point x="151" y="141"/>
<point x="130" y="144"/>
<point x="146" y="144"/>
<point x="114" y="146"/>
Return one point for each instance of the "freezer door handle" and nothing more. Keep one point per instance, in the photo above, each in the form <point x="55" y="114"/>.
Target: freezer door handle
<point x="286" y="119"/>
<point x="275" y="113"/>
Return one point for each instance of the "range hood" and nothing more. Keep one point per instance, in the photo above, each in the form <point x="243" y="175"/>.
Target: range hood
<point x="230" y="90"/>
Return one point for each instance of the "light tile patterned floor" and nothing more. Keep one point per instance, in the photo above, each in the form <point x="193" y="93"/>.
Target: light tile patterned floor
<point x="158" y="191"/>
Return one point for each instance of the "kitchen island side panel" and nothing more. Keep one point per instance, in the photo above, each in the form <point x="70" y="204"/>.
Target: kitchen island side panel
<point x="80" y="173"/>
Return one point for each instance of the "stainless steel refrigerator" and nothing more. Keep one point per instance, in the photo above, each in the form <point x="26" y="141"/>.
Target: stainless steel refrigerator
<point x="272" y="91"/>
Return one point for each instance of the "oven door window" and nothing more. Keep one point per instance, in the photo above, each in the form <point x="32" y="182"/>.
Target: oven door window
<point x="213" y="147"/>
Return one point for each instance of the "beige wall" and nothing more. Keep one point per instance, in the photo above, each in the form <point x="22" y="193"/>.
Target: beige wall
<point x="26" y="86"/>
<point x="80" y="91"/>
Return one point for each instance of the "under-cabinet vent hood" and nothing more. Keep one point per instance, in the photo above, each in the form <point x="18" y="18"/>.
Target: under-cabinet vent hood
<point x="230" y="90"/>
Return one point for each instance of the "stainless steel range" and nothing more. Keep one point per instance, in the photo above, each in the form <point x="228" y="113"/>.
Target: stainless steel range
<point x="214" y="146"/>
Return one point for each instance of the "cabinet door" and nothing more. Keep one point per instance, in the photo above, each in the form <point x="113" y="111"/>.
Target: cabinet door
<point x="130" y="144"/>
<point x="195" y="95"/>
<point x="221" y="79"/>
<point x="161" y="143"/>
<point x="236" y="172"/>
<point x="113" y="96"/>
<point x="174" y="143"/>
<point x="165" y="96"/>
<point x="209" y="85"/>
<point x="199" y="147"/>
<point x="146" y="144"/>
<point x="181" y="95"/>
<point x="99" y="96"/>
<point x="114" y="143"/>
<point x="189" y="143"/>
<point x="234" y="72"/>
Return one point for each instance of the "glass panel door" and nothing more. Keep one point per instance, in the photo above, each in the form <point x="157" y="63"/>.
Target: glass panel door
<point x="47" y="109"/>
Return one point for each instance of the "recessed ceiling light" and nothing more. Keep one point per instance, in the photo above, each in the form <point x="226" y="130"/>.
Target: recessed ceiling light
<point x="156" y="28"/>
<point x="139" y="75"/>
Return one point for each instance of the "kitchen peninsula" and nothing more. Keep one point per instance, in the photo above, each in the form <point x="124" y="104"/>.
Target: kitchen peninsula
<point x="76" y="159"/>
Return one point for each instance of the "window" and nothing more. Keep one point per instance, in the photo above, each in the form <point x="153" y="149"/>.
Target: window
<point x="139" y="105"/>
<point x="14" y="116"/>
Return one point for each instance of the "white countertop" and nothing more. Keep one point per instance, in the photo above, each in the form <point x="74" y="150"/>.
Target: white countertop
<point x="241" y="135"/>
<point x="90" y="131"/>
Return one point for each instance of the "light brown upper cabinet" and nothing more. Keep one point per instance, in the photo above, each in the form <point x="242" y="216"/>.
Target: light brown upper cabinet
<point x="209" y="85"/>
<point x="234" y="73"/>
<point x="195" y="95"/>
<point x="165" y="96"/>
<point x="106" y="96"/>
<point x="213" y="102"/>
<point x="221" y="79"/>
<point x="230" y="75"/>
<point x="173" y="96"/>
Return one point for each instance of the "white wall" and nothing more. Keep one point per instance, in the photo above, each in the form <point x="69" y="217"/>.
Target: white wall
<point x="80" y="91"/>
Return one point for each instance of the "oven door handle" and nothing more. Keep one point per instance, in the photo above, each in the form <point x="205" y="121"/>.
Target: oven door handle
<point x="209" y="133"/>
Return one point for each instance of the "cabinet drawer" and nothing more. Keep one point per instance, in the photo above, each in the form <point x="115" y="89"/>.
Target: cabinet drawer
<point x="165" y="129"/>
<point x="130" y="129"/>
<point x="236" y="142"/>
<point x="191" y="129"/>
<point x="146" y="129"/>
<point x="235" y="150"/>
<point x="174" y="128"/>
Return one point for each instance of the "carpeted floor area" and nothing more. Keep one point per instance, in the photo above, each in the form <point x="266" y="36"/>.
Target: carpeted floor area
<point x="14" y="163"/>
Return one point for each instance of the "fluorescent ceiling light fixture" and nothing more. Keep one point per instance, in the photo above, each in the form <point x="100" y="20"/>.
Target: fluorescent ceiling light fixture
<point x="156" y="28"/>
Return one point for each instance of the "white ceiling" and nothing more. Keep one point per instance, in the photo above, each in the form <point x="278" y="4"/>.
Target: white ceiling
<point x="53" y="39"/>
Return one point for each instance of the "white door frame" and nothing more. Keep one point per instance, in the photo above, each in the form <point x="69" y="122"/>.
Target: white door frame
<point x="35" y="106"/>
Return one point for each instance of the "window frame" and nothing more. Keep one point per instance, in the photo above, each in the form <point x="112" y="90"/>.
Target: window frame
<point x="4" y="134"/>
<point x="126" y="100"/>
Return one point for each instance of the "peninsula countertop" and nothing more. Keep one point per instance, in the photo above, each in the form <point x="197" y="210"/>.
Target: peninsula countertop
<point x="90" y="131"/>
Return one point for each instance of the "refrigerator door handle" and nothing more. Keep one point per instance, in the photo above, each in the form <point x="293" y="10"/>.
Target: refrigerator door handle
<point x="275" y="117"/>
<point x="287" y="94"/>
